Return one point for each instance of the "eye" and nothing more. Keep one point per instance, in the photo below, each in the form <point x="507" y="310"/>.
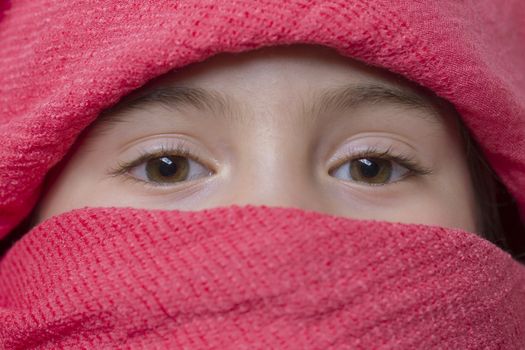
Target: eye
<point x="169" y="169"/>
<point x="371" y="170"/>
<point x="165" y="167"/>
<point x="374" y="167"/>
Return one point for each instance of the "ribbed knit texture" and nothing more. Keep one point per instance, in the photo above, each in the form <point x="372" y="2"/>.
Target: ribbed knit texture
<point x="256" y="278"/>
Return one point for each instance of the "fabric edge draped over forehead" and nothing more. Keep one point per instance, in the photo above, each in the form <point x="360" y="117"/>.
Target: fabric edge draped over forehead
<point x="61" y="64"/>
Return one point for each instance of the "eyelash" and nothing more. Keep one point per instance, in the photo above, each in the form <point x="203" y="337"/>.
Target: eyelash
<point x="371" y="152"/>
<point x="182" y="151"/>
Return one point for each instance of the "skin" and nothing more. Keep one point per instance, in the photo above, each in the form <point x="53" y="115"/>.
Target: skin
<point x="269" y="148"/>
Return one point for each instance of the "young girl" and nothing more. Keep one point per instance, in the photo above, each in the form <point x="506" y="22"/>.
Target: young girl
<point x="298" y="126"/>
<point x="312" y="183"/>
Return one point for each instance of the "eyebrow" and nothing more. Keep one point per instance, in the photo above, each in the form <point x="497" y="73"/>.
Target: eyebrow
<point x="353" y="96"/>
<point x="339" y="98"/>
<point x="172" y="97"/>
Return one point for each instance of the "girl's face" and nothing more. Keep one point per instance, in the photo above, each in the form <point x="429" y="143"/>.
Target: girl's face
<point x="291" y="127"/>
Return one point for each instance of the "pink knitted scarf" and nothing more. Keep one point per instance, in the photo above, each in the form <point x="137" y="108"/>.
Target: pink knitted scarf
<point x="256" y="278"/>
<point x="250" y="277"/>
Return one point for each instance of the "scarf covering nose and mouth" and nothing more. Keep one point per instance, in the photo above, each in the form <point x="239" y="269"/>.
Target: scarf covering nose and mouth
<point x="250" y="277"/>
<point x="256" y="278"/>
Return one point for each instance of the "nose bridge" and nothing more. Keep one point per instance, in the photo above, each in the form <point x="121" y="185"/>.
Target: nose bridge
<point x="275" y="171"/>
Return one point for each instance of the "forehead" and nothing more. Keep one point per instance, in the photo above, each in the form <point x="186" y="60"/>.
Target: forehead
<point x="297" y="66"/>
<point x="311" y="76"/>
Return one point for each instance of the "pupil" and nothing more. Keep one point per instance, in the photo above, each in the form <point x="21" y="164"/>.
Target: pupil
<point x="369" y="168"/>
<point x="167" y="167"/>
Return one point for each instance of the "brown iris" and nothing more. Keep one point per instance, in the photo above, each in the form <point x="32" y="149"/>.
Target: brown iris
<point x="371" y="170"/>
<point x="167" y="169"/>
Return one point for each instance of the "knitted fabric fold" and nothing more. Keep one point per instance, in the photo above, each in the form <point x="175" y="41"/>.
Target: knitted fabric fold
<point x="256" y="278"/>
